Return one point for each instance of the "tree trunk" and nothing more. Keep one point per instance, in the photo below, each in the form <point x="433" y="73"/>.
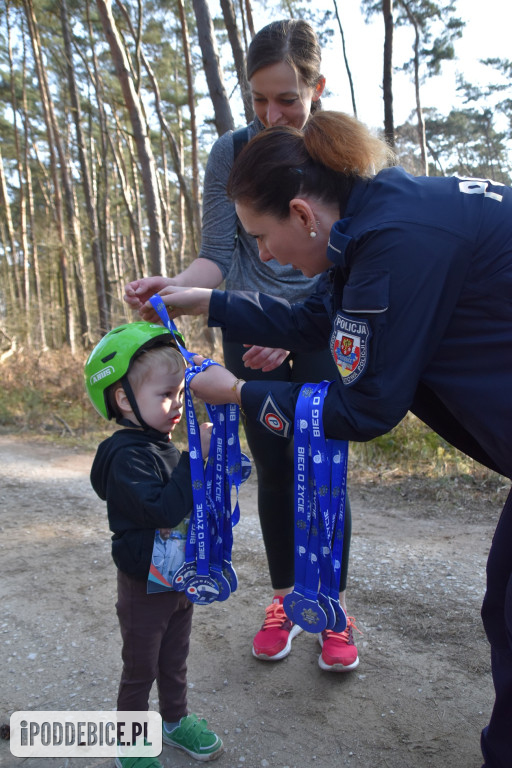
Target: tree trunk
<point x="100" y="165"/>
<point x="124" y="189"/>
<point x="57" y="200"/>
<point x="223" y="117"/>
<point x="345" y="59"/>
<point x="422" y="141"/>
<point x="228" y="12"/>
<point x="180" y="266"/>
<point x="248" y="16"/>
<point x="8" y="237"/>
<point x="23" y="239"/>
<point x="34" y="247"/>
<point x="196" y="192"/>
<point x="96" y="253"/>
<point x="244" y="25"/>
<point x="97" y="256"/>
<point x="175" y="154"/>
<point x="387" y="78"/>
<point x="73" y="226"/>
<point x="140" y="134"/>
<point x="34" y="250"/>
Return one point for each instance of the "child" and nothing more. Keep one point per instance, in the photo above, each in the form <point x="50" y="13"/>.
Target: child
<point x="136" y="375"/>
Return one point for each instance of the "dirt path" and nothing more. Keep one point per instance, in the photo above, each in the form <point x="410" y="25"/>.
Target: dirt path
<point x="419" y="698"/>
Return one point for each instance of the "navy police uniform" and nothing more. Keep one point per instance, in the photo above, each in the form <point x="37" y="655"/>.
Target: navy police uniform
<point x="417" y="312"/>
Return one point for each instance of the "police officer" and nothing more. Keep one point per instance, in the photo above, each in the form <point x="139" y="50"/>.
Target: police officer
<point x="416" y="308"/>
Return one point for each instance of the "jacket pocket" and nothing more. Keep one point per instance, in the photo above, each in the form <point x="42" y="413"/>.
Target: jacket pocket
<point x="366" y="293"/>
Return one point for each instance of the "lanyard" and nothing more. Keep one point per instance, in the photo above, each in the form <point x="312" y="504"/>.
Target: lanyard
<point x="207" y="573"/>
<point x="339" y="454"/>
<point x="330" y="477"/>
<point x="320" y="481"/>
<point x="161" y="310"/>
<point x="302" y="605"/>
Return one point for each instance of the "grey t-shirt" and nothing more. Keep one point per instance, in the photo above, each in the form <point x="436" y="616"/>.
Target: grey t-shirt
<point x="225" y="242"/>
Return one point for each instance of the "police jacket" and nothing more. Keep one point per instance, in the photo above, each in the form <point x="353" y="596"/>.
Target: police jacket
<point x="147" y="485"/>
<point x="417" y="313"/>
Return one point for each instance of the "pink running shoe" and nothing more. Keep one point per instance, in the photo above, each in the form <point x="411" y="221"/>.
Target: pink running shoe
<point x="339" y="653"/>
<point x="274" y="640"/>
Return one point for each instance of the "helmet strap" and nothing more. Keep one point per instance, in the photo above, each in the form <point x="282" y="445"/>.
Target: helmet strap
<point x="124" y="422"/>
<point x="133" y="404"/>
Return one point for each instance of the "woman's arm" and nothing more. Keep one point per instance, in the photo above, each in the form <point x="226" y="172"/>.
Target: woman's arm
<point x="250" y="317"/>
<point x="180" y="301"/>
<point x="201" y="272"/>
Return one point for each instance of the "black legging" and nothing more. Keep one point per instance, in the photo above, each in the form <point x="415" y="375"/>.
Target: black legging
<point x="274" y="461"/>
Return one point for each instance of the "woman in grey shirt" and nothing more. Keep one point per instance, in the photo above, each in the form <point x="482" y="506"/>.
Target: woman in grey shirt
<point x="283" y="69"/>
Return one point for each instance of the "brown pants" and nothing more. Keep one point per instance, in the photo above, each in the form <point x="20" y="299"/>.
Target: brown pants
<point x="156" y="634"/>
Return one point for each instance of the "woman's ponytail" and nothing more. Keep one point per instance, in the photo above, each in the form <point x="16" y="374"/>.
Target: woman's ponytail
<point x="322" y="160"/>
<point x="345" y="145"/>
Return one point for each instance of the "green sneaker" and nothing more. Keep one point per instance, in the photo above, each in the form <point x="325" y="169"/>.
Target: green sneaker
<point x="138" y="762"/>
<point x="192" y="735"/>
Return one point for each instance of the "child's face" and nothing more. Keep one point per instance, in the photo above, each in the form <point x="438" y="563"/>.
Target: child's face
<point x="160" y="398"/>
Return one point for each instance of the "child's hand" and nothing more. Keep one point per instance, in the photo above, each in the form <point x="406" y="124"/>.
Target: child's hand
<point x="205" y="433"/>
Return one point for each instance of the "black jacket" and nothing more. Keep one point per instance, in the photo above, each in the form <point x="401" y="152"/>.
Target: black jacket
<point x="147" y="485"/>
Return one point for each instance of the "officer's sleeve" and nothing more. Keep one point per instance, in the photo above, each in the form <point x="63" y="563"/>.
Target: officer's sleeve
<point x="255" y="318"/>
<point x="404" y="284"/>
<point x="419" y="272"/>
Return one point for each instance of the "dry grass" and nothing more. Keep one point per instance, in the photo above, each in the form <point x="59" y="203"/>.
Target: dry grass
<point x="43" y="393"/>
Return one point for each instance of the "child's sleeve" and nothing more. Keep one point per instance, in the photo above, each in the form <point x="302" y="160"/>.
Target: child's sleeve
<point x="144" y="493"/>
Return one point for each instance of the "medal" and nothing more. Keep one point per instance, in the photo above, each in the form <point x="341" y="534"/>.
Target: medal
<point x="320" y="482"/>
<point x="207" y="573"/>
<point x="302" y="605"/>
<point x="201" y="587"/>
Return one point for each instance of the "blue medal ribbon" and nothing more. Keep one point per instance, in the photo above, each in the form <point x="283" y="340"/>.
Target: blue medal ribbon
<point x="233" y="478"/>
<point x="322" y="496"/>
<point x="329" y="468"/>
<point x="201" y="587"/>
<point x="302" y="605"/>
<point x="215" y="485"/>
<point x="207" y="573"/>
<point x="320" y="489"/>
<point x="339" y="464"/>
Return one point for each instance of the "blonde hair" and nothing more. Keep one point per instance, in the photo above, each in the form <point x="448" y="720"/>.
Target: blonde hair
<point x="321" y="160"/>
<point x="149" y="358"/>
<point x="140" y="366"/>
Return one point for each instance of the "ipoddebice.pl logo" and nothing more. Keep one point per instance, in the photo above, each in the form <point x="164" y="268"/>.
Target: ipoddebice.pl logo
<point x="56" y="733"/>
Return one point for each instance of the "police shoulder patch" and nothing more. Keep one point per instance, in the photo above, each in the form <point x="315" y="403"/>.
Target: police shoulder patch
<point x="350" y="346"/>
<point x="272" y="418"/>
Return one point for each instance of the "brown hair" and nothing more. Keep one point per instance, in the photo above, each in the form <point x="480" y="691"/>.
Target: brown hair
<point x="293" y="41"/>
<point x="321" y="160"/>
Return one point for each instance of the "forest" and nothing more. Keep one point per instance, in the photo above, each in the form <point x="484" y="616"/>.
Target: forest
<point x="108" y="109"/>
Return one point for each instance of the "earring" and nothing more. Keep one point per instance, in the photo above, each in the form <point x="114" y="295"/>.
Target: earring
<point x="312" y="233"/>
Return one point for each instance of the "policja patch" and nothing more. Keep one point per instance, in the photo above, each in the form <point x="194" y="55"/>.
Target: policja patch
<point x="349" y="347"/>
<point x="273" y="419"/>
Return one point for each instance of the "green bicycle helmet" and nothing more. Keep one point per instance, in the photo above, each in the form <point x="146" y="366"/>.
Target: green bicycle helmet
<point x="111" y="358"/>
